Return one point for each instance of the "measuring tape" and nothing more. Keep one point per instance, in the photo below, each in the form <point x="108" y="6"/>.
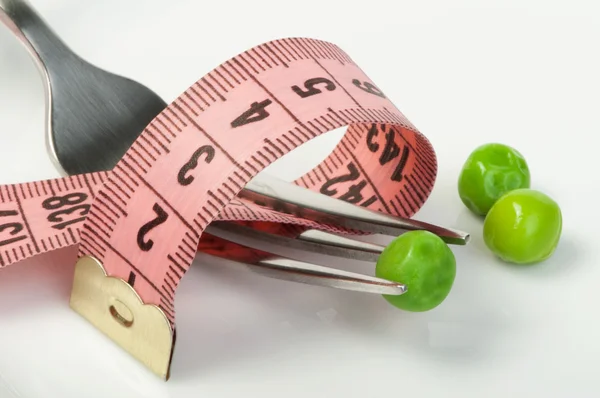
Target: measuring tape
<point x="139" y="225"/>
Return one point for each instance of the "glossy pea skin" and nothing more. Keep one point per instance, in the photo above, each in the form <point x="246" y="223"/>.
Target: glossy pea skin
<point x="424" y="263"/>
<point x="489" y="172"/>
<point x="523" y="227"/>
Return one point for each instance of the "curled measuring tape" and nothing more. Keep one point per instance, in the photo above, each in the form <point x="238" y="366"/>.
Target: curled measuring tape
<point x="139" y="225"/>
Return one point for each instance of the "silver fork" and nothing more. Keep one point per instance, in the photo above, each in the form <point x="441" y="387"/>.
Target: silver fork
<point x="92" y="116"/>
<point x="80" y="142"/>
<point x="270" y="192"/>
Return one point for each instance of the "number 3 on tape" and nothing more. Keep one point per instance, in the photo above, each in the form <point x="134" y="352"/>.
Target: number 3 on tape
<point x="138" y="226"/>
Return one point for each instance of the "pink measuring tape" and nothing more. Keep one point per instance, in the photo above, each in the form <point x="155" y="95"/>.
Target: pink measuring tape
<point x="138" y="226"/>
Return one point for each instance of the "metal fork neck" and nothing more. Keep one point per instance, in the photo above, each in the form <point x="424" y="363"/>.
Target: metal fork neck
<point x="35" y="34"/>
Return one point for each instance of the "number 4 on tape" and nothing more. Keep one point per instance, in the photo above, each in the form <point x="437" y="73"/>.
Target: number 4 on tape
<point x="139" y="225"/>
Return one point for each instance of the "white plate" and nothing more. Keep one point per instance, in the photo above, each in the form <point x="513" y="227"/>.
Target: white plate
<point x="524" y="73"/>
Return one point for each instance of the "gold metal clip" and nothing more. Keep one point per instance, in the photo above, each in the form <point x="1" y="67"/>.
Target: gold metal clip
<point x="114" y="307"/>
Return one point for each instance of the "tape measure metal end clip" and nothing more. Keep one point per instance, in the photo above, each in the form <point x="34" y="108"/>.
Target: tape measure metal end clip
<point x="114" y="307"/>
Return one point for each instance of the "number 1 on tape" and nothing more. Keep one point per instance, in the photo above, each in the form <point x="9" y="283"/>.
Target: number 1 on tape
<point x="138" y="226"/>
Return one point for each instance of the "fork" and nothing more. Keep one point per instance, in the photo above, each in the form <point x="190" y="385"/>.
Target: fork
<point x="270" y="192"/>
<point x="127" y="107"/>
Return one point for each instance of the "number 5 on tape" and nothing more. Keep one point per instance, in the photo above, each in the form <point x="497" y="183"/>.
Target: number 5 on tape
<point x="138" y="226"/>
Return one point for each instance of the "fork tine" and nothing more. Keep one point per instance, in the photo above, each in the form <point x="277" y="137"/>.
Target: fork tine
<point x="370" y="250"/>
<point x="311" y="241"/>
<point x="268" y="191"/>
<point x="312" y="274"/>
<point x="283" y="268"/>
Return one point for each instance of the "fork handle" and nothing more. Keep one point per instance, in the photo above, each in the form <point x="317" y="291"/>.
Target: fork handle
<point x="43" y="44"/>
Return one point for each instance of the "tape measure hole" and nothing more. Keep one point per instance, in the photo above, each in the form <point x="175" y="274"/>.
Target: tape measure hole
<point x="121" y="313"/>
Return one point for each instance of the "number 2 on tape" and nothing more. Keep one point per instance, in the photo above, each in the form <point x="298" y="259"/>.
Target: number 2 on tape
<point x="139" y="225"/>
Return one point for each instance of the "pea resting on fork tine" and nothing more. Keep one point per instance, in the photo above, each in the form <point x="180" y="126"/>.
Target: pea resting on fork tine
<point x="115" y="110"/>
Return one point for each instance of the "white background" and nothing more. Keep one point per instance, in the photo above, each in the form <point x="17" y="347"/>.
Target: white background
<point x="521" y="72"/>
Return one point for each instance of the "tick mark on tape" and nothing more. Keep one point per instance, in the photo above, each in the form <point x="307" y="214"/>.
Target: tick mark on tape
<point x="131" y="278"/>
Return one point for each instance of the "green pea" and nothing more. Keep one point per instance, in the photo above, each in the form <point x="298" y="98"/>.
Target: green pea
<point x="489" y="172"/>
<point x="523" y="227"/>
<point x="424" y="263"/>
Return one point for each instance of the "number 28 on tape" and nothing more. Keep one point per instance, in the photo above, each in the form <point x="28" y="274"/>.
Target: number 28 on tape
<point x="139" y="225"/>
